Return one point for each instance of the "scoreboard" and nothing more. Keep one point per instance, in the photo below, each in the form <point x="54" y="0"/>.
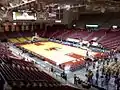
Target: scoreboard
<point x="92" y="27"/>
<point x="24" y="15"/>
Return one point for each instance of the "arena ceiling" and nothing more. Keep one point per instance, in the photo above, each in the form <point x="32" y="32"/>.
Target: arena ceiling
<point x="42" y="5"/>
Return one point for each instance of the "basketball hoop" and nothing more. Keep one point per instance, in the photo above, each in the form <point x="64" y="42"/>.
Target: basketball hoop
<point x="35" y="38"/>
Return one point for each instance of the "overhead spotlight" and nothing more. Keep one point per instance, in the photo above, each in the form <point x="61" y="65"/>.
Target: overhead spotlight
<point x="58" y="21"/>
<point x="88" y="0"/>
<point x="114" y="27"/>
<point x="67" y="7"/>
<point x="5" y="15"/>
<point x="14" y="23"/>
<point x="102" y="10"/>
<point x="32" y="8"/>
<point x="3" y="8"/>
<point x="11" y="5"/>
<point x="0" y="19"/>
<point x="59" y="7"/>
<point x="88" y="7"/>
<point x="74" y="25"/>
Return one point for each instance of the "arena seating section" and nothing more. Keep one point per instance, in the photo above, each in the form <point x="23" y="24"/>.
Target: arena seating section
<point x="23" y="75"/>
<point x="109" y="39"/>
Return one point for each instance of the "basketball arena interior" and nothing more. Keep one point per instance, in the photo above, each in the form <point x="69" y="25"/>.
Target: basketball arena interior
<point x="59" y="44"/>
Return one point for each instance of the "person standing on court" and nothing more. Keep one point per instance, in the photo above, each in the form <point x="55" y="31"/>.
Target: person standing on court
<point x="97" y="76"/>
<point x="75" y="79"/>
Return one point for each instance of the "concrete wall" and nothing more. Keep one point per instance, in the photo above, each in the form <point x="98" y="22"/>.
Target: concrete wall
<point x="69" y="16"/>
